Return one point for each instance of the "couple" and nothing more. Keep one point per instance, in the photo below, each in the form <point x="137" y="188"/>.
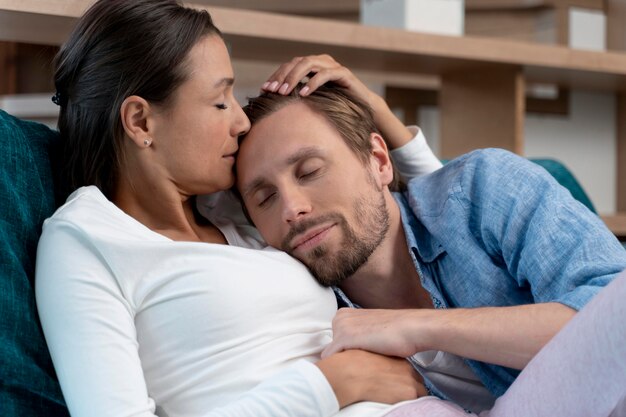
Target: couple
<point x="157" y="302"/>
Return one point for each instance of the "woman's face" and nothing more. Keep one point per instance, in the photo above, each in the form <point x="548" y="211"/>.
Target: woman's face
<point x="196" y="135"/>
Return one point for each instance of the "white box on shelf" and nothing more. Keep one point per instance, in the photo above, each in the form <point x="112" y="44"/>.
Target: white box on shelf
<point x="444" y="17"/>
<point x="587" y="29"/>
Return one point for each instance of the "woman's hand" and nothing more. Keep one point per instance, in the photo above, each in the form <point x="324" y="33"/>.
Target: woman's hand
<point x="357" y="375"/>
<point x="323" y="68"/>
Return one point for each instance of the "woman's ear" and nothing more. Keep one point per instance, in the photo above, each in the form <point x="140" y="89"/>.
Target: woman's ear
<point x="134" y="113"/>
<point x="381" y="159"/>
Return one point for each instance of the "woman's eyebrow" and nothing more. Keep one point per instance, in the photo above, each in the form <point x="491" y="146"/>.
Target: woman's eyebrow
<point x="224" y="82"/>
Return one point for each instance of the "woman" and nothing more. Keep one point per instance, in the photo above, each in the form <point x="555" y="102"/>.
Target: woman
<point x="148" y="307"/>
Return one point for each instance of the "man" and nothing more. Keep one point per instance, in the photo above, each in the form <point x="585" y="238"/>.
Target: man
<point x="476" y="267"/>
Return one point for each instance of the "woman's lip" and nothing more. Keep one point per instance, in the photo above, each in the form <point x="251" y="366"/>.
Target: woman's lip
<point x="314" y="239"/>
<point x="231" y="155"/>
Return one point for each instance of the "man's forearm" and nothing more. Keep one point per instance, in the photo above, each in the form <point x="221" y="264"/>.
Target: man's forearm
<point x="507" y="336"/>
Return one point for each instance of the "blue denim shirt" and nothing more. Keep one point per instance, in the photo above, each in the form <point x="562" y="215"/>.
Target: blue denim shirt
<point x="493" y="229"/>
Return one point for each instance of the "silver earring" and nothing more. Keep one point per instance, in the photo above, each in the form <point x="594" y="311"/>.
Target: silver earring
<point x="147" y="142"/>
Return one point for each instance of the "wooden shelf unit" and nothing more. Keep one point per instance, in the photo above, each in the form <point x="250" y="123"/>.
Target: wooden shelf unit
<point x="274" y="37"/>
<point x="482" y="80"/>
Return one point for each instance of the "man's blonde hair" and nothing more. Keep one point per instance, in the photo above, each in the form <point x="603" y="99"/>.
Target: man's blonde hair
<point x="353" y="118"/>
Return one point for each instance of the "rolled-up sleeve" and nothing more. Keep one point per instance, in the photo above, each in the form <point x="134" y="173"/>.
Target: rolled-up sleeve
<point x="549" y="241"/>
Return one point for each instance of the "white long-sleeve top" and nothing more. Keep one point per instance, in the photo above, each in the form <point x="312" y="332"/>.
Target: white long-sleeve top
<point x="141" y="325"/>
<point x="415" y="158"/>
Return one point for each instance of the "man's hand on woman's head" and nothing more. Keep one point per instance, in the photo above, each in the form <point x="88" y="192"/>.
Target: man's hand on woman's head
<point x="321" y="69"/>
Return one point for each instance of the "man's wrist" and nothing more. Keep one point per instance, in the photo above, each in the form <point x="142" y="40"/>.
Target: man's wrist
<point x="423" y="328"/>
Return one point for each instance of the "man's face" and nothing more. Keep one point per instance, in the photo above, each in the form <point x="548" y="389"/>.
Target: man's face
<point x="310" y="195"/>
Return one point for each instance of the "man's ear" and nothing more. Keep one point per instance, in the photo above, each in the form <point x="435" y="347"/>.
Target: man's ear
<point x="135" y="112"/>
<point x="381" y="159"/>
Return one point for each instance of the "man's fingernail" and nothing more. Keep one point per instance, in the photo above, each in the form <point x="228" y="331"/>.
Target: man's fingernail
<point x="273" y="86"/>
<point x="283" y="88"/>
<point x="304" y="91"/>
<point x="266" y="85"/>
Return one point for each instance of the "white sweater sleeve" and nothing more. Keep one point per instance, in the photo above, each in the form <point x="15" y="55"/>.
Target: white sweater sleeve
<point x="89" y="328"/>
<point x="300" y="390"/>
<point x="415" y="158"/>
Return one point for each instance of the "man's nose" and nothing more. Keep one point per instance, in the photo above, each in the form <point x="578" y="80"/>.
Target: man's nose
<point x="295" y="205"/>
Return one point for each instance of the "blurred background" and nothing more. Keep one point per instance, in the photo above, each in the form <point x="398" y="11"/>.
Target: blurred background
<point x="543" y="78"/>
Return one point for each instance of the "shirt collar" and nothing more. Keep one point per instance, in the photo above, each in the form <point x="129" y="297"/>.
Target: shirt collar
<point x="417" y="236"/>
<point x="343" y="297"/>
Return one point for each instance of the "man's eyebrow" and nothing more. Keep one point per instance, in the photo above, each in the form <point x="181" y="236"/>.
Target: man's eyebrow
<point x="253" y="186"/>
<point x="224" y="82"/>
<point x="304" y="153"/>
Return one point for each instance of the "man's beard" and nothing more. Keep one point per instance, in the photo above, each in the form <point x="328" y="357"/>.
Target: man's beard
<point x="331" y="269"/>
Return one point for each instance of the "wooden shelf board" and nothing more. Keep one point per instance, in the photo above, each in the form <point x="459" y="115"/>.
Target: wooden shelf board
<point x="427" y="52"/>
<point x="272" y="37"/>
<point x="528" y="4"/>
<point x="317" y="7"/>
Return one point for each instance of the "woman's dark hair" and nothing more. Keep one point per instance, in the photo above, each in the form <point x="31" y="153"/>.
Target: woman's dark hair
<point x="118" y="48"/>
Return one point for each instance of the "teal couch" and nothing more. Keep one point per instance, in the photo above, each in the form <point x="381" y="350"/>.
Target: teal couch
<point x="28" y="152"/>
<point x="28" y="385"/>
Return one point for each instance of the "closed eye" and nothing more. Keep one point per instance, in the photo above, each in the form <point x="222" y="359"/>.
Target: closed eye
<point x="267" y="199"/>
<point x="222" y="106"/>
<point x="310" y="174"/>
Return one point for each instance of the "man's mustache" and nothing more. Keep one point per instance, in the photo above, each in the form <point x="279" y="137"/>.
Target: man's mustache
<point x="303" y="225"/>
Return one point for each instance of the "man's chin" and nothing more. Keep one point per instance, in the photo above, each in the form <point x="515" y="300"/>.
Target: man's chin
<point x="333" y="271"/>
<point x="329" y="272"/>
<point x="310" y="256"/>
<point x="321" y="267"/>
<point x="328" y="279"/>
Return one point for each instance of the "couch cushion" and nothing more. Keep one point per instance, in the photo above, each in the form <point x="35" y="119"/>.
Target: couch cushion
<point x="28" y="385"/>
<point x="565" y="177"/>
